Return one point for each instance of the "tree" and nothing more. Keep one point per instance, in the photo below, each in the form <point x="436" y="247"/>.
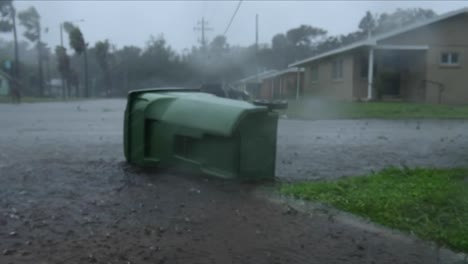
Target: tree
<point x="377" y="24"/>
<point x="8" y="24"/>
<point x="46" y="54"/>
<point x="304" y="35"/>
<point x="30" y="20"/>
<point x="219" y="44"/>
<point x="102" y="57"/>
<point x="280" y="50"/>
<point x="78" y="44"/>
<point x="63" y="67"/>
<point x="367" y="23"/>
<point x="402" y="17"/>
<point x="303" y="40"/>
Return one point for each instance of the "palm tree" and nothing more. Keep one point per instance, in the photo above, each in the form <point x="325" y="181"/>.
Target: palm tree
<point x="8" y="24"/>
<point x="30" y="19"/>
<point x="78" y="44"/>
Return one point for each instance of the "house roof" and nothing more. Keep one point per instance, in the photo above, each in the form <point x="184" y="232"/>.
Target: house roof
<point x="260" y="76"/>
<point x="287" y="70"/>
<point x="372" y="41"/>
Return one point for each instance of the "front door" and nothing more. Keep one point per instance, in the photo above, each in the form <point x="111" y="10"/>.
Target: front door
<point x="390" y="74"/>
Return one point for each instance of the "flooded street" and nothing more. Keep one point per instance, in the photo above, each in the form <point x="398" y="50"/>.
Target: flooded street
<point x="67" y="196"/>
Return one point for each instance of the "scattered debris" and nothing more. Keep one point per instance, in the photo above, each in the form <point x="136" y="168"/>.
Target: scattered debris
<point x="194" y="190"/>
<point x="8" y="252"/>
<point x="290" y="211"/>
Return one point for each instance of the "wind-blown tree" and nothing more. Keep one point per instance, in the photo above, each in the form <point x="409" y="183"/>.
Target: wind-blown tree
<point x="304" y="40"/>
<point x="377" y="24"/>
<point x="127" y="61"/>
<point x="8" y="24"/>
<point x="281" y="51"/>
<point x="30" y="20"/>
<point x="79" y="45"/>
<point x="103" y="57"/>
<point x="402" y="17"/>
<point x="304" y="35"/>
<point x="368" y="23"/>
<point x="219" y="45"/>
<point x="63" y="67"/>
<point x="45" y="58"/>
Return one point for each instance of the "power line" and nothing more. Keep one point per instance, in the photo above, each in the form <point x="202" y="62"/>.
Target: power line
<point x="232" y="18"/>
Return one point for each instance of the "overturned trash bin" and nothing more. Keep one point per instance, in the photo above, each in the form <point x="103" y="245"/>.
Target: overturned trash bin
<point x="188" y="129"/>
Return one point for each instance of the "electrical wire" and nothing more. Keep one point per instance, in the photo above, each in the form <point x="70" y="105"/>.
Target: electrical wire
<point x="232" y="18"/>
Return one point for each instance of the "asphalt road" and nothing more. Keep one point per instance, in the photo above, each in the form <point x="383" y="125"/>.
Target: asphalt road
<point x="67" y="196"/>
<point x="306" y="149"/>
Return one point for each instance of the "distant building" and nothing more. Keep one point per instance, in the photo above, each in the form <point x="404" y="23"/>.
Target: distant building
<point x="423" y="62"/>
<point x="284" y="84"/>
<point x="253" y="83"/>
<point x="5" y="79"/>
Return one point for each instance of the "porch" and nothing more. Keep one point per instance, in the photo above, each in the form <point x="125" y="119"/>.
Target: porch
<point x="398" y="74"/>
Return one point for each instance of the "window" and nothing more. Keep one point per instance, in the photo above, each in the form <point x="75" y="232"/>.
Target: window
<point x="337" y="69"/>
<point x="314" y="76"/>
<point x="449" y="59"/>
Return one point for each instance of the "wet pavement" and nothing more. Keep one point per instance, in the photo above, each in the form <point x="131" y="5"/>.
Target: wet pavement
<point x="306" y="149"/>
<point x="334" y="148"/>
<point x="67" y="196"/>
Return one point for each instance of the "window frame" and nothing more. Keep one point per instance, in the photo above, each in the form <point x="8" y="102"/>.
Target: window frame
<point x="339" y="63"/>
<point x="450" y="61"/>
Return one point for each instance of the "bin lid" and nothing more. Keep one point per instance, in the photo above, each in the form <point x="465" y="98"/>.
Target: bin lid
<point x="198" y="110"/>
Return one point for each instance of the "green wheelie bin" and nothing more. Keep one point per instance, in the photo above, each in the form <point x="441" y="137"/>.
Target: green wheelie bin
<point x="189" y="129"/>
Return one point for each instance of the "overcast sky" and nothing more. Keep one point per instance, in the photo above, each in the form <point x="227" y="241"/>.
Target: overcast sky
<point x="132" y="22"/>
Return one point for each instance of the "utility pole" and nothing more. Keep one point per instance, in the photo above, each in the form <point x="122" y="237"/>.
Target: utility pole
<point x="256" y="46"/>
<point x="202" y="26"/>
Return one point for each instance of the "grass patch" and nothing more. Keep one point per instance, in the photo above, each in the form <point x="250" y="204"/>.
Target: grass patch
<point x="315" y="109"/>
<point x="431" y="203"/>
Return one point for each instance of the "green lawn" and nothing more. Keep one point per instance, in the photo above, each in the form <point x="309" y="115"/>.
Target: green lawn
<point x="388" y="110"/>
<point x="431" y="203"/>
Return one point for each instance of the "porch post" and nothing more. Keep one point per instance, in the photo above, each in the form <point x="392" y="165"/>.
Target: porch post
<point x="298" y="83"/>
<point x="370" y="73"/>
<point x="272" y="88"/>
<point x="281" y="88"/>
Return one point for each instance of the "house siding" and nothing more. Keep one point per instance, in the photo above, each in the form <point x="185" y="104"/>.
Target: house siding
<point x="326" y="86"/>
<point x="448" y="35"/>
<point x="4" y="86"/>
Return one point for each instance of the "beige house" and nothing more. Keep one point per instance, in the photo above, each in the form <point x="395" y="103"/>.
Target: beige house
<point x="424" y="62"/>
<point x="284" y="84"/>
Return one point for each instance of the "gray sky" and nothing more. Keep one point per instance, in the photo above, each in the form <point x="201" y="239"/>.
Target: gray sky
<point x="132" y="22"/>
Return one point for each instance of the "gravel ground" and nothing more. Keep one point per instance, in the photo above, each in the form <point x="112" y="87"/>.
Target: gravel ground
<point x="67" y="196"/>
